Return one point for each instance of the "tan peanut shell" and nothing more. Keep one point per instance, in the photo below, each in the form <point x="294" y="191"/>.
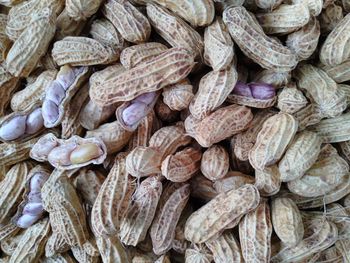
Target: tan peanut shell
<point x="219" y="125"/>
<point x="41" y="154"/>
<point x="197" y="13"/>
<point x="244" y="141"/>
<point x="232" y="180"/>
<point x="251" y="102"/>
<point x="330" y="17"/>
<point x="68" y="26"/>
<point x="12" y="153"/>
<point x="83" y="51"/>
<point x="291" y="99"/>
<point x="198" y="254"/>
<point x="67" y="217"/>
<point x="128" y="20"/>
<point x="300" y="156"/>
<point x="12" y="187"/>
<point x="272" y="77"/>
<point x="174" y="30"/>
<point x="112" y="250"/>
<point x="169" y="67"/>
<point x="309" y="115"/>
<point x="255" y="229"/>
<point x="144" y="131"/>
<point x="339" y="73"/>
<point x="253" y="42"/>
<point x="167" y="139"/>
<point x="273" y="139"/>
<point x="178" y="96"/>
<point x="70" y="124"/>
<point x="140" y="213"/>
<point x="181" y="166"/>
<point x="113" y="197"/>
<point x="304" y="41"/>
<point x="88" y="183"/>
<point x="218" y="46"/>
<point x="314" y="6"/>
<point x="268" y="4"/>
<point x="334" y="129"/>
<point x="8" y="84"/>
<point x="212" y="218"/>
<point x="335" y="49"/>
<point x="215" y="162"/>
<point x="31" y="44"/>
<point x="323" y="176"/>
<point x="143" y="161"/>
<point x="103" y="31"/>
<point x="5" y="42"/>
<point x="141" y="53"/>
<point x="82" y="9"/>
<point x="173" y="200"/>
<point x="20" y="15"/>
<point x="213" y="90"/>
<point x="32" y="244"/>
<point x="56" y="244"/>
<point x="321" y="89"/>
<point x="32" y="93"/>
<point x="286" y="220"/>
<point x="320" y="234"/>
<point x="114" y="136"/>
<point x="284" y="19"/>
<point x="225" y="248"/>
<point x="268" y="181"/>
<point x="202" y="188"/>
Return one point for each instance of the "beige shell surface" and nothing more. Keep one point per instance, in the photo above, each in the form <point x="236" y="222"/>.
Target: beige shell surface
<point x="211" y="218"/>
<point x="128" y="20"/>
<point x="82" y="9"/>
<point x="273" y="139"/>
<point x="251" y="39"/>
<point x="335" y="49"/>
<point x="31" y="44"/>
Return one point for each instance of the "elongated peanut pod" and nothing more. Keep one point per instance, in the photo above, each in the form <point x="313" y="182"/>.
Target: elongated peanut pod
<point x="13" y="129"/>
<point x="34" y="122"/>
<point x="67" y="75"/>
<point x="85" y="153"/>
<point x="61" y="154"/>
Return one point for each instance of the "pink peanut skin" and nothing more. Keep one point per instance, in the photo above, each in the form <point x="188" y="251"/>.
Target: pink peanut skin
<point x="261" y="91"/>
<point x="139" y="108"/>
<point x="33" y="209"/>
<point x="56" y="92"/>
<point x="34" y="121"/>
<point x="13" y="129"/>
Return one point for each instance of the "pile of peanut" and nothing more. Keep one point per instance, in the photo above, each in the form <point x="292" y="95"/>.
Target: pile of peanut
<point x="158" y="131"/>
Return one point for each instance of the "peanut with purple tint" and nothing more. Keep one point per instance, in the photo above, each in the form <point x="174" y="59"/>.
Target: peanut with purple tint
<point x="261" y="91"/>
<point x="69" y="154"/>
<point x="21" y="125"/>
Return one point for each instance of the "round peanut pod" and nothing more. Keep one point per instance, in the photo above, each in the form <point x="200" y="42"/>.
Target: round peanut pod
<point x="215" y="162"/>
